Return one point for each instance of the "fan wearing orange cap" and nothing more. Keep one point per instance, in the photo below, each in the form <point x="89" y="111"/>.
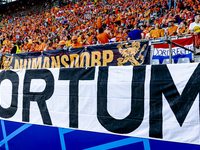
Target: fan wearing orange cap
<point x="75" y="42"/>
<point x="172" y="30"/>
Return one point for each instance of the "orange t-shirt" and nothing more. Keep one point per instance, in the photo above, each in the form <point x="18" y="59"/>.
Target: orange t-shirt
<point x="182" y="30"/>
<point x="42" y="46"/>
<point x="37" y="48"/>
<point x="172" y="29"/>
<point x="103" y="37"/>
<point x="156" y="33"/>
<point x="77" y="44"/>
<point x="121" y="37"/>
<point x="89" y="40"/>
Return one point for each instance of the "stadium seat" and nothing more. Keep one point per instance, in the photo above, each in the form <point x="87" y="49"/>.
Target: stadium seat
<point x="183" y="60"/>
<point x="166" y="61"/>
<point x="155" y="62"/>
<point x="197" y="59"/>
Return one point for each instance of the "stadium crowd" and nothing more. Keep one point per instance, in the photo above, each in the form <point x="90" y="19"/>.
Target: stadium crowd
<point x="86" y="23"/>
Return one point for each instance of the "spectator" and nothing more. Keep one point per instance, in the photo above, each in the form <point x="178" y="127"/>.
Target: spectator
<point x="62" y="44"/>
<point x="195" y="30"/>
<point x="147" y="14"/>
<point x="42" y="45"/>
<point x="68" y="42"/>
<point x="129" y="26"/>
<point x="49" y="45"/>
<point x="172" y="30"/>
<point x="195" y="25"/>
<point x="16" y="49"/>
<point x="144" y="30"/>
<point x="182" y="30"/>
<point x="112" y="37"/>
<point x="157" y="20"/>
<point x="135" y="34"/>
<point x="121" y="36"/>
<point x="103" y="36"/>
<point x="157" y="32"/>
<point x="36" y="46"/>
<point x="75" y="42"/>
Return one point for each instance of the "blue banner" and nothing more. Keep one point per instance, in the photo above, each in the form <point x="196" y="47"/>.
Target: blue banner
<point x="20" y="136"/>
<point x="132" y="53"/>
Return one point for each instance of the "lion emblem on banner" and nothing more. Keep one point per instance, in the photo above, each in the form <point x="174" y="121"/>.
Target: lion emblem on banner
<point x="131" y="53"/>
<point x="6" y="61"/>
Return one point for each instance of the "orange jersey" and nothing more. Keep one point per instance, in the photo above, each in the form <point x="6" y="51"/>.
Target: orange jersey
<point x="103" y="37"/>
<point x="182" y="30"/>
<point x="156" y="33"/>
<point x="77" y="44"/>
<point x="121" y="37"/>
<point x="172" y="29"/>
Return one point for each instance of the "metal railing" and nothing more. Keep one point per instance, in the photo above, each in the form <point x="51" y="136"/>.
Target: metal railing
<point x="168" y="40"/>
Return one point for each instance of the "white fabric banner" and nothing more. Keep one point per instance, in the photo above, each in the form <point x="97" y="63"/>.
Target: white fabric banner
<point x="159" y="101"/>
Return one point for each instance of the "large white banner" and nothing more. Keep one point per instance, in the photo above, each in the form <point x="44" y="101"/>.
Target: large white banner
<point x="159" y="101"/>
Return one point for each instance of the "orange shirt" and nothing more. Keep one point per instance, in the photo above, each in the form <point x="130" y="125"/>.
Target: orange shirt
<point x="156" y="33"/>
<point x="89" y="40"/>
<point x="172" y="29"/>
<point x="156" y="21"/>
<point x="42" y="46"/>
<point x="37" y="48"/>
<point x="182" y="30"/>
<point x="77" y="44"/>
<point x="121" y="37"/>
<point x="103" y="37"/>
<point x="68" y="43"/>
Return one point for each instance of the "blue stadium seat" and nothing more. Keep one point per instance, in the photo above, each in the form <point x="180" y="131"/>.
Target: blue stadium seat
<point x="166" y="61"/>
<point x="183" y="60"/>
<point x="155" y="61"/>
<point x="197" y="59"/>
